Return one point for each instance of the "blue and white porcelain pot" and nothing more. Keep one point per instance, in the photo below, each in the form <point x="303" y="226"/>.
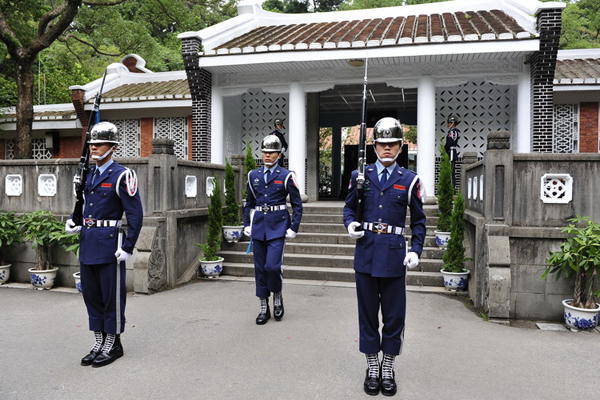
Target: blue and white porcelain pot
<point x="233" y="233"/>
<point x="4" y="273"/>
<point x="580" y="318"/>
<point x="456" y="281"/>
<point x="42" y="279"/>
<point x="212" y="269"/>
<point x="77" y="281"/>
<point x="442" y="239"/>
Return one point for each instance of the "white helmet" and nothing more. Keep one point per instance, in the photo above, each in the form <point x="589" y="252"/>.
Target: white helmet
<point x="104" y="132"/>
<point x="271" y="143"/>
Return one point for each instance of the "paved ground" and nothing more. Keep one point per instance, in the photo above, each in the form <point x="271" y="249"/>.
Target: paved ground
<point x="200" y="341"/>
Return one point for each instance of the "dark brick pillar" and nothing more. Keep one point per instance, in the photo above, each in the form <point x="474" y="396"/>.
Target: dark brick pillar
<point x="77" y="98"/>
<point x="200" y="83"/>
<point x="543" y="63"/>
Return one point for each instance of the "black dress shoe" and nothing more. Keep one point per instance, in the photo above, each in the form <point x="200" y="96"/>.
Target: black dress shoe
<point x="278" y="311"/>
<point x="388" y="386"/>
<point x="89" y="359"/>
<point x="263" y="318"/>
<point x="371" y="385"/>
<point x="107" y="357"/>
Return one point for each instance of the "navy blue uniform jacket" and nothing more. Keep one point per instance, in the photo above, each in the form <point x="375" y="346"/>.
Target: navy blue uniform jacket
<point x="273" y="224"/>
<point x="383" y="255"/>
<point x="99" y="244"/>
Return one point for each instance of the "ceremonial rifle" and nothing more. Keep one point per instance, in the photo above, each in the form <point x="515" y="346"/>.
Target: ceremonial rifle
<point x="84" y="161"/>
<point x="362" y="154"/>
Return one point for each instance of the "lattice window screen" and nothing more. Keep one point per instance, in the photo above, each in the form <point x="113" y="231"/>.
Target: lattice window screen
<point x="175" y="129"/>
<point x="259" y="110"/>
<point x="129" y="130"/>
<point x="39" y="151"/>
<point x="481" y="107"/>
<point x="566" y="129"/>
<point x="9" y="150"/>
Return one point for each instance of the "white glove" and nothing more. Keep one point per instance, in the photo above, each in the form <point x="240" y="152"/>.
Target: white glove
<point x="354" y="234"/>
<point x="71" y="228"/>
<point x="122" y="255"/>
<point x="248" y="231"/>
<point x="411" y="260"/>
<point x="290" y="234"/>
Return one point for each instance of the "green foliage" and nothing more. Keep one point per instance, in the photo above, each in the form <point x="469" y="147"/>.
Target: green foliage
<point x="215" y="225"/>
<point x="445" y="192"/>
<point x="301" y="6"/>
<point x="44" y="230"/>
<point x="580" y="27"/>
<point x="579" y="255"/>
<point x="454" y="256"/>
<point x="9" y="231"/>
<point x="232" y="210"/>
<point x="410" y="135"/>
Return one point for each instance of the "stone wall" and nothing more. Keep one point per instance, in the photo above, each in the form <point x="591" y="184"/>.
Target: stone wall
<point x="174" y="218"/>
<point x="511" y="228"/>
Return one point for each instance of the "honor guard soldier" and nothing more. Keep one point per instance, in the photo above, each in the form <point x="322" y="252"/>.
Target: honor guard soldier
<point x="279" y="133"/>
<point x="381" y="254"/>
<point x="110" y="190"/>
<point x="451" y="145"/>
<point x="268" y="223"/>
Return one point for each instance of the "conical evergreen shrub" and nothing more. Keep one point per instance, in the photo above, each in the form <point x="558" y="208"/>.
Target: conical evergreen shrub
<point x="215" y="225"/>
<point x="445" y="192"/>
<point x="232" y="210"/>
<point x="454" y="256"/>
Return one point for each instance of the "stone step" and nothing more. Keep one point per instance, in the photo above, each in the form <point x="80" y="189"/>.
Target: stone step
<point x="341" y="229"/>
<point x="338" y="219"/>
<point x="327" y="238"/>
<point x="321" y="260"/>
<point x="413" y="278"/>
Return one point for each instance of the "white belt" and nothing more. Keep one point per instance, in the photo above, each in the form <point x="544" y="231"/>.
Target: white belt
<point x="266" y="208"/>
<point x="381" y="227"/>
<point x="101" y="223"/>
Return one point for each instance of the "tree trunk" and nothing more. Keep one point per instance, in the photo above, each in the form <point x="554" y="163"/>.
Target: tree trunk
<point x="24" y="110"/>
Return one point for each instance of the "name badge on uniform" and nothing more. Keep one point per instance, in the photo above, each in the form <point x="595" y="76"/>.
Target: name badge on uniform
<point x="106" y="185"/>
<point x="399" y="187"/>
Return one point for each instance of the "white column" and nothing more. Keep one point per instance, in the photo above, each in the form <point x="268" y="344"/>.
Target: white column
<point x="297" y="133"/>
<point x="217" y="130"/>
<point x="426" y="138"/>
<point x="523" y="134"/>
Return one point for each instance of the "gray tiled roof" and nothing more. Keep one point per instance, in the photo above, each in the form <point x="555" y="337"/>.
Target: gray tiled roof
<point x="413" y="29"/>
<point x="63" y="115"/>
<point x="579" y="71"/>
<point x="158" y="90"/>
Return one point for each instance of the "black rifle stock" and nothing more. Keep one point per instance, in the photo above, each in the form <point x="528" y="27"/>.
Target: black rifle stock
<point x="362" y="154"/>
<point x="84" y="161"/>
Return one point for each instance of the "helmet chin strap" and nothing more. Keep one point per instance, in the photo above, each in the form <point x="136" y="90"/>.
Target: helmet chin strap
<point x="270" y="164"/>
<point x="387" y="159"/>
<point x="102" y="157"/>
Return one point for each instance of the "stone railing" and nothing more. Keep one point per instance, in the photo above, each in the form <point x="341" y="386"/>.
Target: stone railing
<point x="516" y="205"/>
<point x="174" y="199"/>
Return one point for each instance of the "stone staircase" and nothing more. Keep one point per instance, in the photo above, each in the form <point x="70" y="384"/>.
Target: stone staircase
<point x="323" y="250"/>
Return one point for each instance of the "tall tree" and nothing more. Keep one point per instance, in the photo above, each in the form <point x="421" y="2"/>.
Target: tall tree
<point x="24" y="41"/>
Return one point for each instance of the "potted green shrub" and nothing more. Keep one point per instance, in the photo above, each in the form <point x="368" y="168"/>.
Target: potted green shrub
<point x="232" y="225"/>
<point x="9" y="234"/>
<point x="211" y="263"/>
<point x="44" y="230"/>
<point x="445" y="193"/>
<point x="579" y="256"/>
<point x="250" y="164"/>
<point x="454" y="273"/>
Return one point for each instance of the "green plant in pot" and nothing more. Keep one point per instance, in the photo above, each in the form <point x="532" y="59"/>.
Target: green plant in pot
<point x="211" y="262"/>
<point x="232" y="224"/>
<point x="445" y="193"/>
<point x="9" y="234"/>
<point x="454" y="273"/>
<point x="44" y="230"/>
<point x="579" y="257"/>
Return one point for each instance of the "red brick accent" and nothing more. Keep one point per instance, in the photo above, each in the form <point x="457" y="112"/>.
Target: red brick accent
<point x="70" y="147"/>
<point x="588" y="127"/>
<point x="146" y="133"/>
<point x="131" y="64"/>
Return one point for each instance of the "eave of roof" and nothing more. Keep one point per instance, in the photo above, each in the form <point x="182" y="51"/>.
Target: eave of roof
<point x="577" y="67"/>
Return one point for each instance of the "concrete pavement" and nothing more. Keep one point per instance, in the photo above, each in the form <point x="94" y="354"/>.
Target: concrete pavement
<point x="200" y="341"/>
